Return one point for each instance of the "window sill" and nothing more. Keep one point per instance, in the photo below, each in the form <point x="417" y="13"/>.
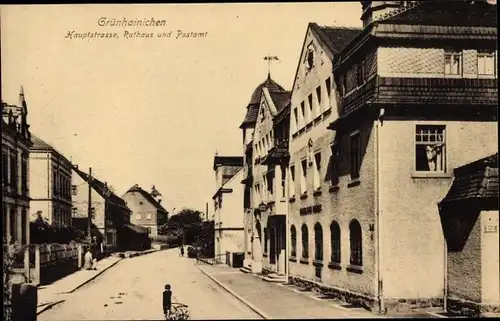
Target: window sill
<point x="333" y="189"/>
<point x="354" y="182"/>
<point x="317" y="192"/>
<point x="303" y="196"/>
<point x="355" y="269"/>
<point x="334" y="266"/>
<point x="430" y="175"/>
<point x="292" y="259"/>
<point x="327" y="112"/>
<point x="309" y="125"/>
<point x="304" y="261"/>
<point x="317" y="119"/>
<point x="318" y="263"/>
<point x="265" y="254"/>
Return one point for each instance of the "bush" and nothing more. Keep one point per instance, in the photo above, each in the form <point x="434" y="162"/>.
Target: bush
<point x="41" y="232"/>
<point x="10" y="252"/>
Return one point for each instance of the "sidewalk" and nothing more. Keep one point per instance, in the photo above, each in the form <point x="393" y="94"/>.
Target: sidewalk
<point x="52" y="294"/>
<point x="272" y="300"/>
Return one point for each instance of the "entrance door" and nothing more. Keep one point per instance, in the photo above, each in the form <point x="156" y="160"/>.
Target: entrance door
<point x="272" y="254"/>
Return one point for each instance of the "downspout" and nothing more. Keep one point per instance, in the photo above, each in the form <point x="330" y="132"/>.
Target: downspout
<point x="380" y="295"/>
<point x="287" y="218"/>
<point x="445" y="289"/>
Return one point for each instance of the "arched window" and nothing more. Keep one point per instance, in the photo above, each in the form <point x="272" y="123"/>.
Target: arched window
<point x="305" y="242"/>
<point x="318" y="242"/>
<point x="356" y="243"/>
<point x="335" y="242"/>
<point x="293" y="237"/>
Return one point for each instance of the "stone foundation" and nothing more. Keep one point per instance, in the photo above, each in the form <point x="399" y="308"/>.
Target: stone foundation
<point x="470" y="309"/>
<point x="408" y="305"/>
<point x="392" y="306"/>
<point x="344" y="295"/>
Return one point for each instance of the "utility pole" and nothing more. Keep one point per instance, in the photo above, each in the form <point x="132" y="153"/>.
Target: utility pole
<point x="206" y="211"/>
<point x="89" y="231"/>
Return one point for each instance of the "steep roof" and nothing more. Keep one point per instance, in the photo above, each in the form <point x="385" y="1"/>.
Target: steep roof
<point x="280" y="99"/>
<point x="253" y="105"/>
<point x="38" y="143"/>
<point x="148" y="197"/>
<point x="336" y="38"/>
<point x="101" y="189"/>
<point x="476" y="180"/>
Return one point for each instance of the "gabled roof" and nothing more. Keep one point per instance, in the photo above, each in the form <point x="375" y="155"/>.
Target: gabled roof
<point x="253" y="105"/>
<point x="38" y="143"/>
<point x="102" y="189"/>
<point x="148" y="197"/>
<point x="476" y="180"/>
<point x="280" y="100"/>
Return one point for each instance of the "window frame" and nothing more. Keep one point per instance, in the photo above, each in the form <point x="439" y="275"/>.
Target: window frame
<point x="317" y="169"/>
<point x="305" y="241"/>
<point x="303" y="177"/>
<point x="293" y="241"/>
<point x="484" y="54"/>
<point x="452" y="53"/>
<point x="355" y="243"/>
<point x="335" y="243"/>
<point x="292" y="180"/>
<point x="357" y="134"/>
<point x="318" y="242"/>
<point x="445" y="162"/>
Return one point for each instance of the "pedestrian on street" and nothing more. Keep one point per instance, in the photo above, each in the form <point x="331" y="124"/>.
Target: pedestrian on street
<point x="88" y="260"/>
<point x="167" y="301"/>
<point x="182" y="250"/>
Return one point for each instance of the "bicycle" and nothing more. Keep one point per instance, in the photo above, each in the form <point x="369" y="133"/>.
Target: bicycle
<point x="179" y="311"/>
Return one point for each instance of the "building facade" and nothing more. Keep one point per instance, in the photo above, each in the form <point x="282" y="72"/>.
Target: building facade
<point x="16" y="141"/>
<point x="228" y="209"/>
<point x="417" y="97"/>
<point x="313" y="196"/>
<point x="50" y="183"/>
<point x="108" y="211"/>
<point x="269" y="201"/>
<point x="252" y="234"/>
<point x="147" y="210"/>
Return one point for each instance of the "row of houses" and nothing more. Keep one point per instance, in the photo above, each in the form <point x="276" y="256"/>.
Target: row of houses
<point x="39" y="181"/>
<point x="376" y="175"/>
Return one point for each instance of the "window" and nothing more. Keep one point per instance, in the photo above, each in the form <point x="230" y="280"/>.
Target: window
<point x="296" y="118"/>
<point x="305" y="242"/>
<point x="430" y="151"/>
<point x="354" y="155"/>
<point x="335" y="242"/>
<point x="257" y="193"/>
<point x="283" y="181"/>
<point x="292" y="180"/>
<point x="356" y="243"/>
<point x="486" y="63"/>
<point x="137" y="216"/>
<point x="303" y="181"/>
<point x="328" y="87"/>
<point x="310" y="101"/>
<point x="453" y="63"/>
<point x="293" y="237"/>
<point x="318" y="242"/>
<point x="5" y="168"/>
<point x="24" y="175"/>
<point x="270" y="182"/>
<point x="149" y="230"/>
<point x="13" y="229"/>
<point x="23" y="225"/>
<point x="303" y="113"/>
<point x="13" y="169"/>
<point x="149" y="216"/>
<point x="317" y="170"/>
<point x="266" y="238"/>
<point x="318" y="95"/>
<point x="264" y="188"/>
<point x="74" y="190"/>
<point x="360" y="77"/>
<point x="334" y="164"/>
<point x="75" y="210"/>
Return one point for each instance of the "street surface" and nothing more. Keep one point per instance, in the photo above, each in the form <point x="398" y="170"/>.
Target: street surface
<point x="132" y="290"/>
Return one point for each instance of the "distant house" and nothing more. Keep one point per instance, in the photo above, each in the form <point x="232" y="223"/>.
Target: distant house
<point x="109" y="211"/>
<point x="228" y="208"/>
<point x="147" y="210"/>
<point x="469" y="217"/>
<point x="50" y="183"/>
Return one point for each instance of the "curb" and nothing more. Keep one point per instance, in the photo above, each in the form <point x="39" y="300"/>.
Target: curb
<point x="49" y="306"/>
<point x="93" y="277"/>
<point x="248" y="304"/>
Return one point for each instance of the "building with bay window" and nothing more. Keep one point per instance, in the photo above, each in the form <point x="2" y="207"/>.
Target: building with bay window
<point x="16" y="141"/>
<point x="417" y="97"/>
<point x="50" y="183"/>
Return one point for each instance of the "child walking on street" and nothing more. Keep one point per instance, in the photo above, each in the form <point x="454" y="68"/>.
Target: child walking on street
<point x="167" y="301"/>
<point x="182" y="250"/>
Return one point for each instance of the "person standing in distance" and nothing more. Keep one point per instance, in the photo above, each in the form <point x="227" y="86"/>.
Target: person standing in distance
<point x="167" y="301"/>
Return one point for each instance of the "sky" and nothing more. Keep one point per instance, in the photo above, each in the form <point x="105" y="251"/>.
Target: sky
<point x="152" y="111"/>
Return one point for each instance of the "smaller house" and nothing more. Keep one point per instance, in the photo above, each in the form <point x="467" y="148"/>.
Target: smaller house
<point x="146" y="208"/>
<point x="228" y="207"/>
<point x="469" y="217"/>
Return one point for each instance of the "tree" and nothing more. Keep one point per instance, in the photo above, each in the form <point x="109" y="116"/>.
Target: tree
<point x="185" y="225"/>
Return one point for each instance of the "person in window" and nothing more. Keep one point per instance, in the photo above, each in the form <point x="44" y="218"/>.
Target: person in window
<point x="167" y="300"/>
